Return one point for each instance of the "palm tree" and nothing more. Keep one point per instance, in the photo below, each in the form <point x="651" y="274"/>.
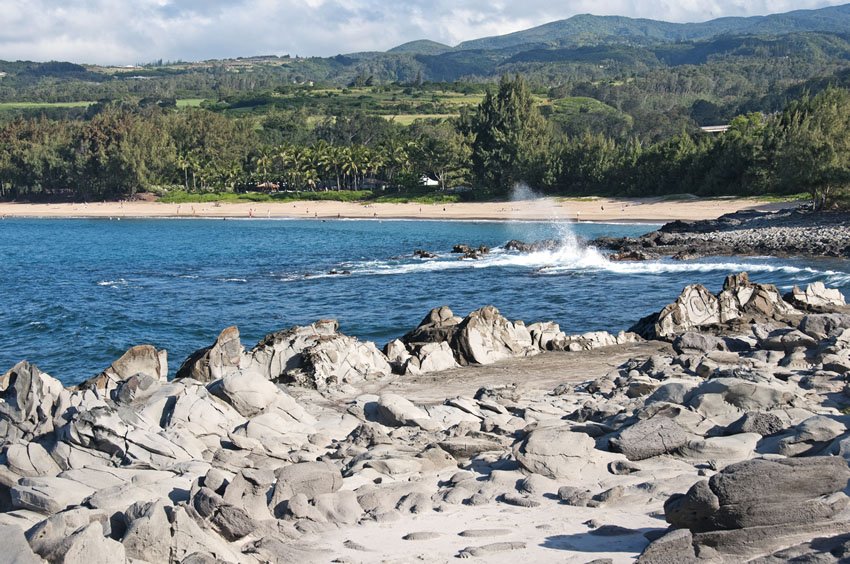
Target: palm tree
<point x="263" y="162"/>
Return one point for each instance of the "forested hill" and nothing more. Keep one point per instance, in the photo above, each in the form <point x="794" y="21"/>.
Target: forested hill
<point x="585" y="28"/>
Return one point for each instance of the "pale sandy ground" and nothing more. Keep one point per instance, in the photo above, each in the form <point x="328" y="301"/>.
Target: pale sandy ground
<point x="546" y="209"/>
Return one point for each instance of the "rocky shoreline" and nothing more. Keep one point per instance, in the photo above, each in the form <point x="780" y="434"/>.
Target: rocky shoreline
<point x="714" y="431"/>
<point x="791" y="232"/>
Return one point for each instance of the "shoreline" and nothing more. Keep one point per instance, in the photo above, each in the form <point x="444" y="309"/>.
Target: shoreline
<point x="601" y="210"/>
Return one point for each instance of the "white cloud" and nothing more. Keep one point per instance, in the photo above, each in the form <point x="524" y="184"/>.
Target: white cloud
<point x="123" y="32"/>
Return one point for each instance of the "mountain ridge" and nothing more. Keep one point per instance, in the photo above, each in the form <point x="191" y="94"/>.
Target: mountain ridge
<point x="587" y="28"/>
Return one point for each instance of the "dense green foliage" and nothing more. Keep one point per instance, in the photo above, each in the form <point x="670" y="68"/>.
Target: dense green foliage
<point x="604" y="105"/>
<point x="504" y="141"/>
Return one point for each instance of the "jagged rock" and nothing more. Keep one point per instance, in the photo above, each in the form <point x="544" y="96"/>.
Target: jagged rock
<point x="763" y="492"/>
<point x="135" y="388"/>
<point x="280" y="352"/>
<point x="633" y="255"/>
<point x="547" y="336"/>
<point x="147" y="532"/>
<point x="317" y="356"/>
<point x="141" y="359"/>
<point x="216" y="361"/>
<point x="29" y="399"/>
<point x="765" y="424"/>
<point x="533" y="247"/>
<point x="484" y="337"/>
<point x="557" y="452"/>
<point x="251" y="395"/>
<point x="397" y="355"/>
<point x="50" y="537"/>
<point x="251" y="490"/>
<point x="593" y="340"/>
<point x="435" y="357"/>
<point x="439" y="325"/>
<point x="102" y="429"/>
<point x="650" y="437"/>
<point x="816" y="296"/>
<point x="696" y="307"/>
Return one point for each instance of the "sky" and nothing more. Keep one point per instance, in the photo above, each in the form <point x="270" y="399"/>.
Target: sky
<point x="124" y="32"/>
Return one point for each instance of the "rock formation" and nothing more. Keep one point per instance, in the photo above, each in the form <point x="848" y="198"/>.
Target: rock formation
<point x="307" y="448"/>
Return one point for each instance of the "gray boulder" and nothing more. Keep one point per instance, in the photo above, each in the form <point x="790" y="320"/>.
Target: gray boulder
<point x="692" y="342"/>
<point x="763" y="492"/>
<point x="811" y="436"/>
<point x="141" y="359"/>
<point x="697" y="308"/>
<point x="147" y="533"/>
<point x="439" y="325"/>
<point x="651" y="437"/>
<point x="765" y="424"/>
<point x="816" y="296"/>
<point x="29" y="399"/>
<point x="216" y="361"/>
<point x="396" y="411"/>
<point x="332" y="362"/>
<point x="824" y="325"/>
<point x="557" y="452"/>
<point x="316" y="356"/>
<point x="309" y="478"/>
<point x="676" y="547"/>
<point x="485" y="337"/>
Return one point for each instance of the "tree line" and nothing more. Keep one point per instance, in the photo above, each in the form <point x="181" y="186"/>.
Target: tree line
<point x="123" y="149"/>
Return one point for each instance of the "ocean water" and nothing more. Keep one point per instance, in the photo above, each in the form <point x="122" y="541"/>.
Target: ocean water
<point x="76" y="293"/>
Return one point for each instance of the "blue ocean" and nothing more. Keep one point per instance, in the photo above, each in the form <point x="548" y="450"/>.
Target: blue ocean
<point x="76" y="293"/>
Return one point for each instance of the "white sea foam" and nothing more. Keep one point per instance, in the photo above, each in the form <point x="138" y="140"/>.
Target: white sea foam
<point x="240" y="280"/>
<point x="572" y="257"/>
<point x="112" y="283"/>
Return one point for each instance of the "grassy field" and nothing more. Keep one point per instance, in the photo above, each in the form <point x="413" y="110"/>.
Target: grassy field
<point x="364" y="196"/>
<point x="182" y="103"/>
<point x="407" y="119"/>
<point x="40" y="105"/>
<point x="189" y="102"/>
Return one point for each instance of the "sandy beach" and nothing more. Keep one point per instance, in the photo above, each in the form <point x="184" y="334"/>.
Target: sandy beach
<point x="596" y="209"/>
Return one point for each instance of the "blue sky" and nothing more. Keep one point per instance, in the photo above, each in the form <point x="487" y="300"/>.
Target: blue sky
<point x="124" y="32"/>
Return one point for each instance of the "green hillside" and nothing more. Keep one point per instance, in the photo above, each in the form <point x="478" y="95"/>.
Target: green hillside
<point x="585" y="29"/>
<point x="421" y="47"/>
